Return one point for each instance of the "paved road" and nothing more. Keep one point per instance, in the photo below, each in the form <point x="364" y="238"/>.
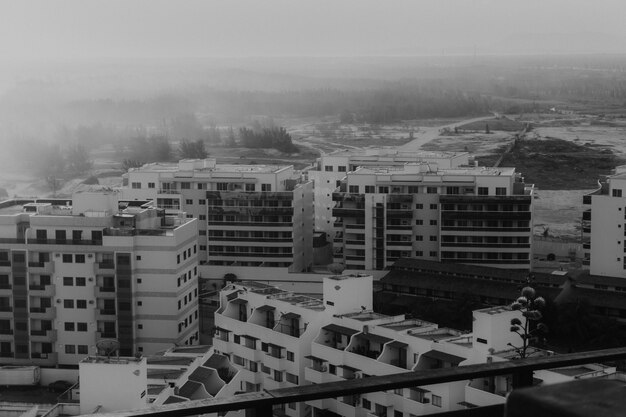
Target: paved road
<point x="426" y="134"/>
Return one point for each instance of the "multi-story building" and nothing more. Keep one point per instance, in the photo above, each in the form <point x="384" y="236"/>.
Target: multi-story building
<point x="604" y="227"/>
<point x="471" y="215"/>
<point x="278" y="339"/>
<point x="77" y="271"/>
<point x="332" y="168"/>
<point x="248" y="215"/>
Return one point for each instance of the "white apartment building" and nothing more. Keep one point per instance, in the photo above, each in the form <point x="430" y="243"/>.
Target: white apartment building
<point x="604" y="227"/>
<point x="179" y="374"/>
<point x="248" y="215"/>
<point x="474" y="215"/>
<point x="278" y="339"/>
<point x="73" y="272"/>
<point x="332" y="168"/>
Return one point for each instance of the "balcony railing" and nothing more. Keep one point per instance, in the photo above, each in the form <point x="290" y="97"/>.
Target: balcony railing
<point x="262" y="403"/>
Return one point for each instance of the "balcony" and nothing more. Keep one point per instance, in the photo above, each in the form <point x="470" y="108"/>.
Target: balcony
<point x="558" y="399"/>
<point x="106" y="335"/>
<point x="106" y="265"/>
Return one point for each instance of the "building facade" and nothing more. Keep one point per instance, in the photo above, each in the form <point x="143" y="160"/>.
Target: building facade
<point x="332" y="168"/>
<point x="277" y="339"/>
<point x="77" y="271"/>
<point x="248" y="215"/>
<point x="603" y="227"/>
<point x="472" y="215"/>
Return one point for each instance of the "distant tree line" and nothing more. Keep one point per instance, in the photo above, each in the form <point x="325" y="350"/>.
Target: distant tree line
<point x="275" y="137"/>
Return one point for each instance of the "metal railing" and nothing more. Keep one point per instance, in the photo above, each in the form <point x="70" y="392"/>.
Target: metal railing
<point x="262" y="403"/>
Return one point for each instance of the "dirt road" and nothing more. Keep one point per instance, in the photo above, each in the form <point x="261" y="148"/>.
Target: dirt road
<point x="426" y="134"/>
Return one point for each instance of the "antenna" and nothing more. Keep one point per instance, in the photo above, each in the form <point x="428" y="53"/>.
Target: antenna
<point x="107" y="346"/>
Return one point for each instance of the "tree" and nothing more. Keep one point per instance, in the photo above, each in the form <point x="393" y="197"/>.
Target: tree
<point x="230" y="141"/>
<point x="532" y="329"/>
<point x="127" y="164"/>
<point x="78" y="161"/>
<point x="192" y="150"/>
<point x="487" y="131"/>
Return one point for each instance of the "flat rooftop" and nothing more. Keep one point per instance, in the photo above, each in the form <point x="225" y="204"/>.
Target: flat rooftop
<point x="394" y="153"/>
<point x="300" y="300"/>
<point x="113" y="360"/>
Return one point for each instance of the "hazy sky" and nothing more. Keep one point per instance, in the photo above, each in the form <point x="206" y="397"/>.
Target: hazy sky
<point x="204" y="28"/>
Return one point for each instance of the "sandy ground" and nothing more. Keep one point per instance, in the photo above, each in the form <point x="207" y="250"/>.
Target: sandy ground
<point x="559" y="212"/>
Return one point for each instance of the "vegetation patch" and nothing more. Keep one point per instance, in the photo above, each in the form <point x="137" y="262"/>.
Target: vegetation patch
<point x="556" y="164"/>
<point x="502" y="124"/>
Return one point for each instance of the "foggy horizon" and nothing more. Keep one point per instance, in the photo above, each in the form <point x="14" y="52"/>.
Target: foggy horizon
<point x="93" y="30"/>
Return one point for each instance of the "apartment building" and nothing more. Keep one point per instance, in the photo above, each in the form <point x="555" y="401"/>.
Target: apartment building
<point x="73" y="272"/>
<point x="332" y="168"/>
<point x="604" y="227"/>
<point x="278" y="339"/>
<point x="177" y="375"/>
<point x="248" y="215"/>
<point x="474" y="215"/>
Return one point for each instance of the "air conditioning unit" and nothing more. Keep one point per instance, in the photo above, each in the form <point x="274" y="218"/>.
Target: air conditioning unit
<point x="324" y="369"/>
<point x="44" y="356"/>
<point x="90" y="279"/>
<point x="358" y="376"/>
<point x="57" y="255"/>
<point x="91" y="301"/>
<point x="90" y="255"/>
<point x="58" y="301"/>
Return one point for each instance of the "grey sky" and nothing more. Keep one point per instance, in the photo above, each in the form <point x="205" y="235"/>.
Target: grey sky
<point x="204" y="28"/>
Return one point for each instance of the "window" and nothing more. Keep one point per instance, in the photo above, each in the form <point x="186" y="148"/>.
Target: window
<point x="419" y="253"/>
<point x="222" y="186"/>
<point x="433" y="206"/>
<point x="436" y="400"/>
<point x="202" y="202"/>
<point x="70" y="349"/>
<point x="68" y="281"/>
<point x="452" y="190"/>
<point x="81" y="281"/>
<point x="367" y="404"/>
<point x="151" y="185"/>
<point x="433" y="222"/>
<point x="419" y="238"/>
<point x="290" y="357"/>
<point x="341" y="168"/>
<point x="81" y="303"/>
<point x="431" y="190"/>
<point x="383" y="190"/>
<point x="188" y="201"/>
<point x="370" y="189"/>
<point x="266" y="187"/>
<point x="433" y="238"/>
<point x="83" y="349"/>
<point x="202" y="217"/>
<point x="353" y="189"/>
<point x="419" y="222"/>
<point x="278" y="376"/>
<point x="77" y="235"/>
<point x="328" y="168"/>
<point x="69" y="326"/>
<point x="617" y="193"/>
<point x="68" y="303"/>
<point x="291" y="378"/>
<point x="81" y="327"/>
<point x="67" y="258"/>
<point x="433" y="253"/>
<point x="250" y="187"/>
<point x="500" y="190"/>
<point x="185" y="186"/>
<point x="419" y="206"/>
<point x="136" y="185"/>
<point x="79" y="258"/>
<point x="413" y="189"/>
